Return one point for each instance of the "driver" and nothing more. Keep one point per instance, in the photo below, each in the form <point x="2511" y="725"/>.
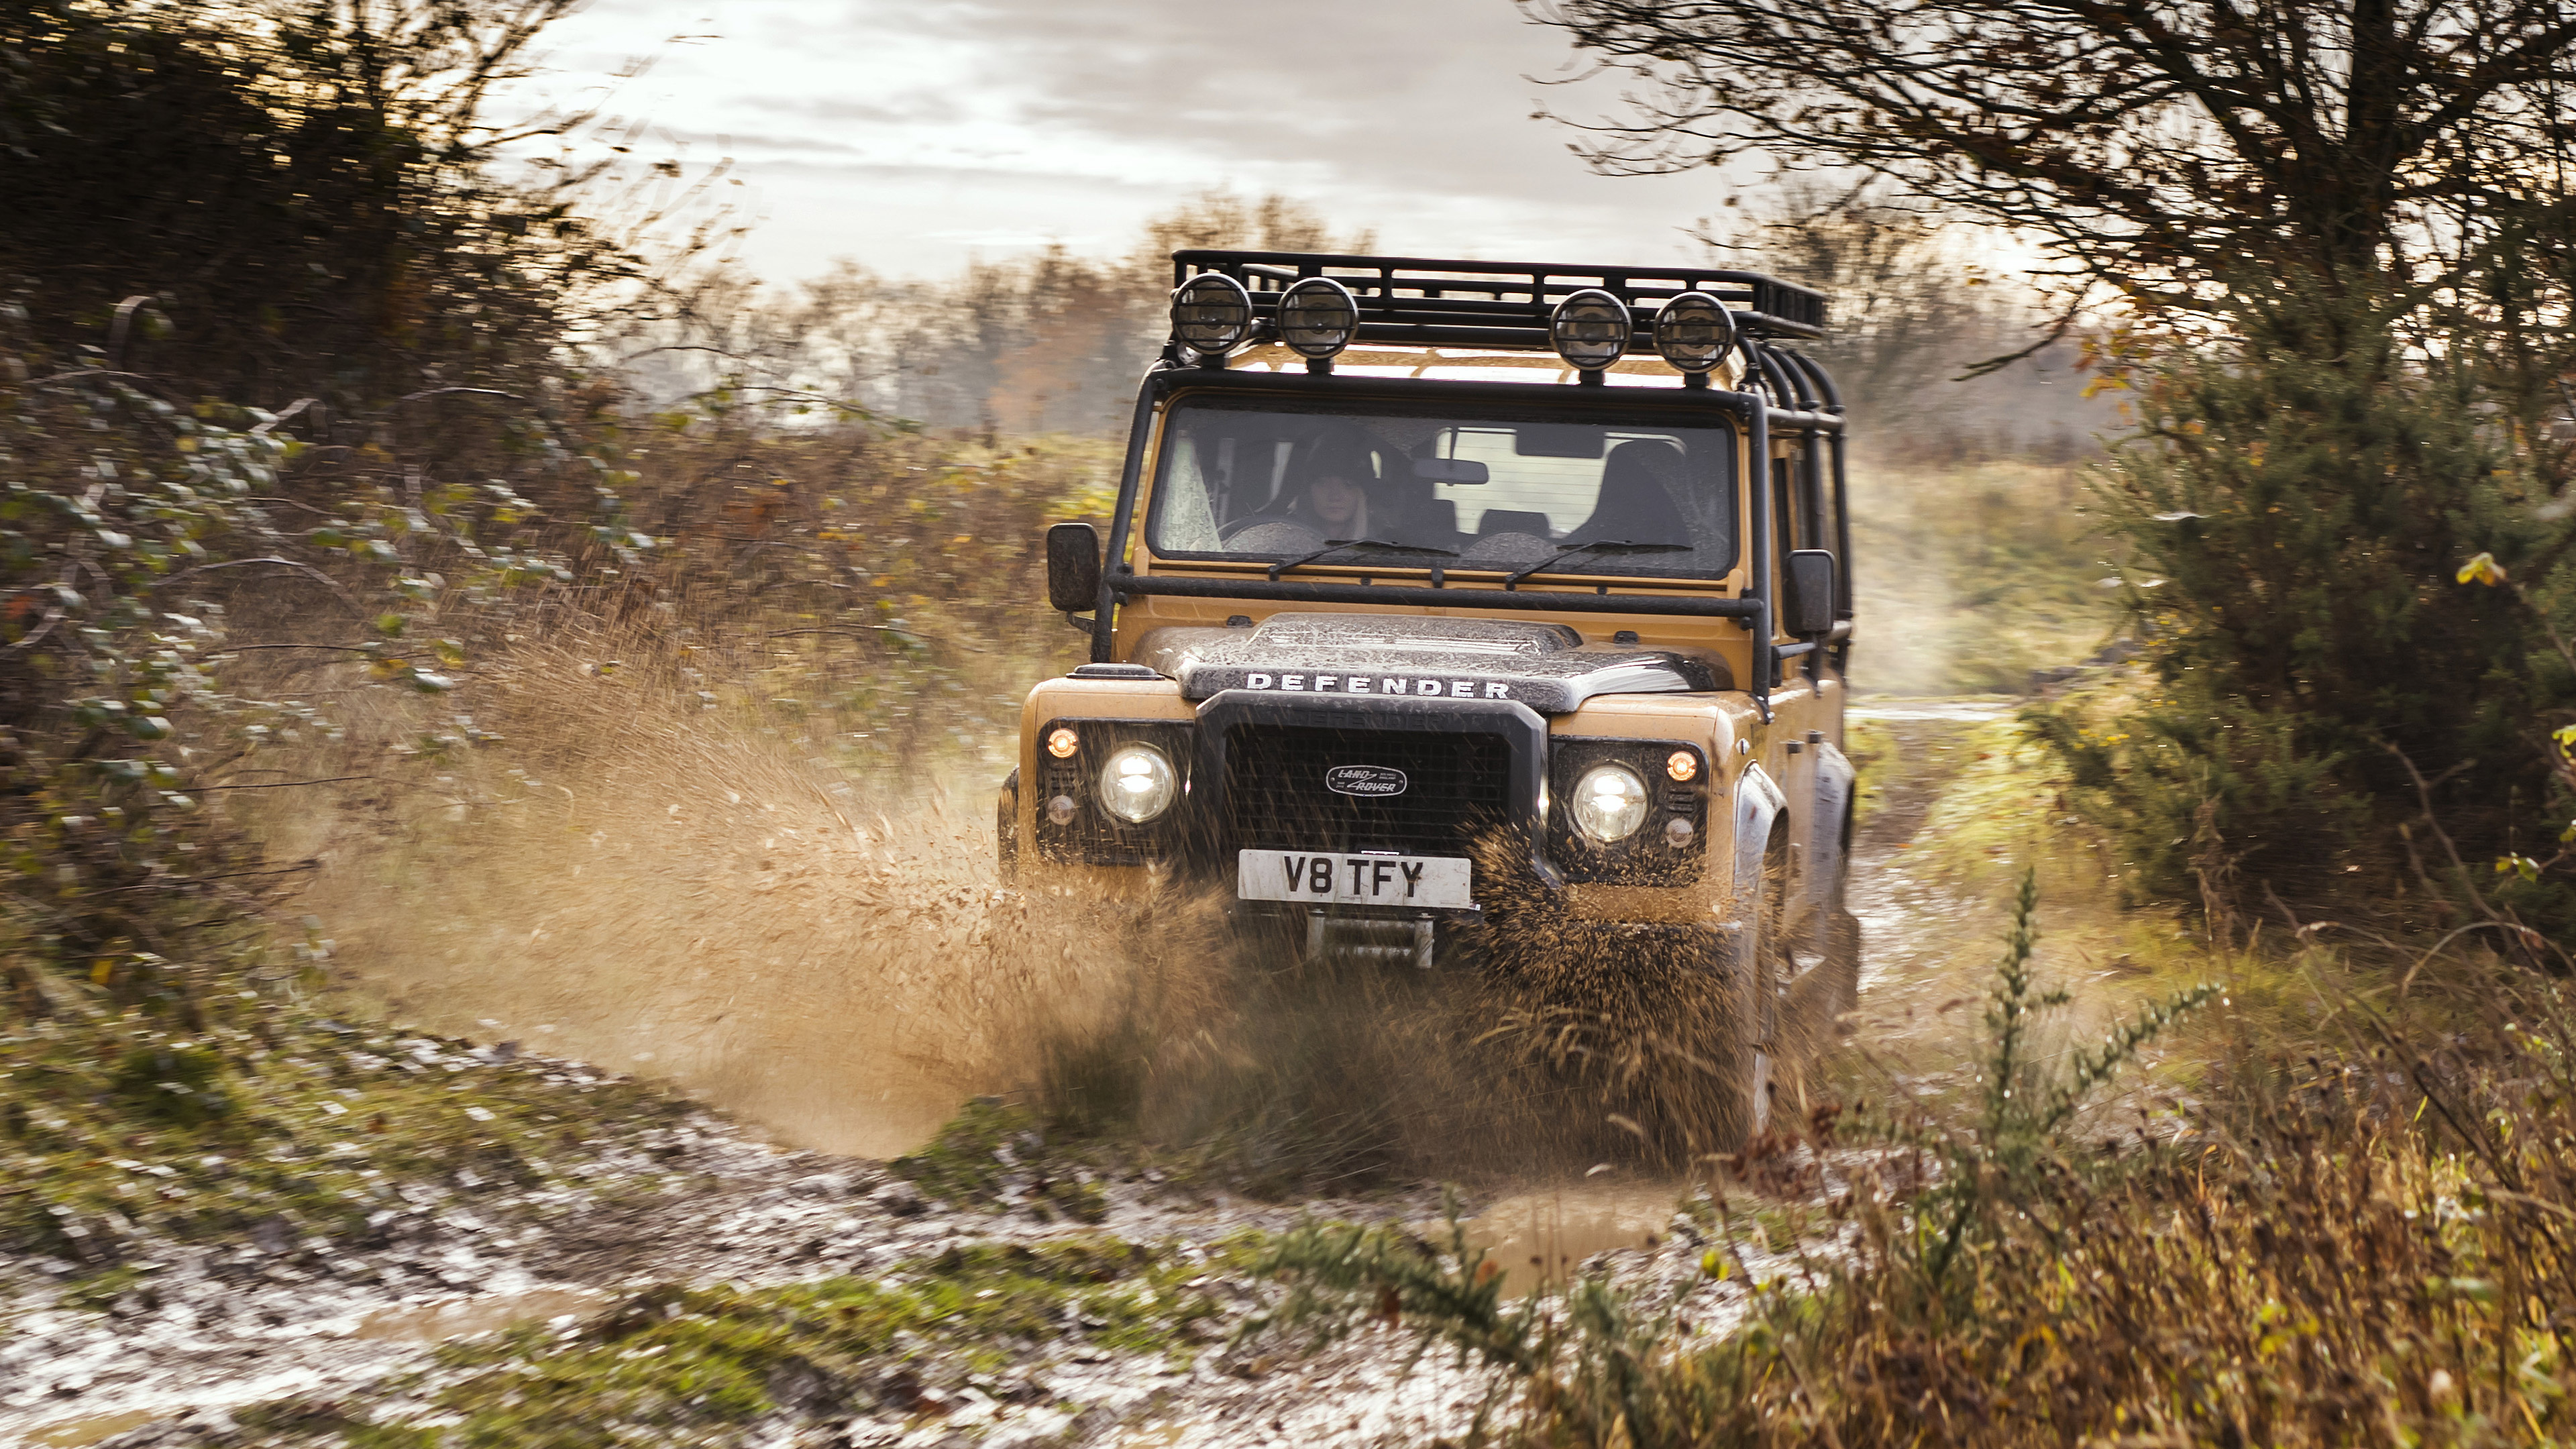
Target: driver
<point x="1335" y="501"/>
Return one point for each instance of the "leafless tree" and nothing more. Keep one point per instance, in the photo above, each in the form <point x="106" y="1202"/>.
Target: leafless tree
<point x="2153" y="145"/>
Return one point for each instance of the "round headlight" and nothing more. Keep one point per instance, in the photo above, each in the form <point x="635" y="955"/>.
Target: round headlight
<point x="1211" y="313"/>
<point x="1317" y="317"/>
<point x="1693" y="331"/>
<point x="1138" y="784"/>
<point x="1609" y="802"/>
<point x="1591" y="329"/>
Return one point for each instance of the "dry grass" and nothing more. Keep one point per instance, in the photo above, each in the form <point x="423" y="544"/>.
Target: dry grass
<point x="2380" y="1255"/>
<point x="2364" y="1240"/>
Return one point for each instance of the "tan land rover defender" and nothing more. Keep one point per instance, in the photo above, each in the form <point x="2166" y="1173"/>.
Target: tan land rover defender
<point x="1436" y="585"/>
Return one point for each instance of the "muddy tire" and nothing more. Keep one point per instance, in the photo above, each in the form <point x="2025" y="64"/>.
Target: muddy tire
<point x="1750" y="1038"/>
<point x="1715" y="1098"/>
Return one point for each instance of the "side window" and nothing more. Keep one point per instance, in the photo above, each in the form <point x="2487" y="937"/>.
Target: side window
<point x="1802" y="504"/>
<point x="1788" y="513"/>
<point x="1829" y="523"/>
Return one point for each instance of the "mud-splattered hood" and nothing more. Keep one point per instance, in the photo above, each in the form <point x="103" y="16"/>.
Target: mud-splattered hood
<point x="1545" y="666"/>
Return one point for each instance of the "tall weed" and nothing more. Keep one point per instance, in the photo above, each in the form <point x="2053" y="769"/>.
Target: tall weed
<point x="2364" y="1244"/>
<point x="1902" y="1292"/>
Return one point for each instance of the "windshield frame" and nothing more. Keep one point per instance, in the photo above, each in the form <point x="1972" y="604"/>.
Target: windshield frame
<point x="1646" y="409"/>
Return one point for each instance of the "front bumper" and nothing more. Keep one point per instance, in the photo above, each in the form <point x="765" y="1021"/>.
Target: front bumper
<point x="1478" y="780"/>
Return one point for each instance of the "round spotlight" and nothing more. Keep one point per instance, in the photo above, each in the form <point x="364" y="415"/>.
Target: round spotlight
<point x="1062" y="742"/>
<point x="1678" y="833"/>
<point x="1609" y="803"/>
<point x="1694" y="332"/>
<point x="1138" y="784"/>
<point x="1591" y="329"/>
<point x="1318" y="317"/>
<point x="1211" y="313"/>
<point x="1060" y="810"/>
<point x="1681" y="764"/>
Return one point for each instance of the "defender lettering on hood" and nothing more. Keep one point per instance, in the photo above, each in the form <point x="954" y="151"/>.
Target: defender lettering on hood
<point x="1378" y="684"/>
<point x="1544" y="666"/>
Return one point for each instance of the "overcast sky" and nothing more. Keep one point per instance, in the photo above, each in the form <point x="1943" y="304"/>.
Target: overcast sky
<point x="911" y="134"/>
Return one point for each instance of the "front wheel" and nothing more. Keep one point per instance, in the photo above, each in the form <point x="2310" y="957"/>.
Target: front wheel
<point x="1754" y="975"/>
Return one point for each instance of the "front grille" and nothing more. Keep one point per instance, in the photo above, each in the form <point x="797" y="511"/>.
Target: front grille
<point x="1456" y="787"/>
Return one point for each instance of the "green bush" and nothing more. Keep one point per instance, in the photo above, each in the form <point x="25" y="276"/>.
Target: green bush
<point x="2206" y="798"/>
<point x="273" y="202"/>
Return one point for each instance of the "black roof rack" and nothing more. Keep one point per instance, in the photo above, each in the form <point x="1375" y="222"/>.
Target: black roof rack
<point x="1503" y="304"/>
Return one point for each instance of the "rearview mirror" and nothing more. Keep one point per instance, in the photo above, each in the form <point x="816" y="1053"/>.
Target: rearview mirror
<point x="1558" y="440"/>
<point x="1073" y="567"/>
<point x="1452" y="470"/>
<point x="1807" y="593"/>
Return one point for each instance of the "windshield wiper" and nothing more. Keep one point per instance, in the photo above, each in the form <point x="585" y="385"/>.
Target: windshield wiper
<point x="1604" y="546"/>
<point x="1336" y="545"/>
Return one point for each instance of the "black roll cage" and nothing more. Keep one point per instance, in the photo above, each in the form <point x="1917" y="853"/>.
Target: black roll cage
<point x="1426" y="302"/>
<point x="1794" y="395"/>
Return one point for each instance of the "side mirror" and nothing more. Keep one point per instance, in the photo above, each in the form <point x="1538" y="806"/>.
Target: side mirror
<point x="1073" y="568"/>
<point x="1807" y="593"/>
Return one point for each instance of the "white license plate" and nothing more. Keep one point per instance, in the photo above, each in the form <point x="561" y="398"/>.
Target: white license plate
<point x="1354" y="880"/>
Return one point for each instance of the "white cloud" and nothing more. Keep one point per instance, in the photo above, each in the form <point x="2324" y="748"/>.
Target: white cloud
<point x="906" y="135"/>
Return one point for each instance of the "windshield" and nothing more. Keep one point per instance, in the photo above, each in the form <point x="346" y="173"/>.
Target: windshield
<point x="1257" y="480"/>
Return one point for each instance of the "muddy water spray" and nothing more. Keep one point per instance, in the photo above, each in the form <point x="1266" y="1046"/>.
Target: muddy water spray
<point x="692" y="897"/>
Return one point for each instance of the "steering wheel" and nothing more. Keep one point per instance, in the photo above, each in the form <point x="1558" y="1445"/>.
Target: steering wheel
<point x="1233" y="529"/>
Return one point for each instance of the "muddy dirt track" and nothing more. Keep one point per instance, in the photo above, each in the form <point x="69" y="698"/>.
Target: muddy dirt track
<point x="705" y="1200"/>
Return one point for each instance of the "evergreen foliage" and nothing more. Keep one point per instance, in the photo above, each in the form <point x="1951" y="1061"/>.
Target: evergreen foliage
<point x="2293" y="514"/>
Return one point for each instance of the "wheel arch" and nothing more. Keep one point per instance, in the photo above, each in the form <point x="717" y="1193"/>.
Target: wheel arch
<point x="1761" y="826"/>
<point x="1829" y="846"/>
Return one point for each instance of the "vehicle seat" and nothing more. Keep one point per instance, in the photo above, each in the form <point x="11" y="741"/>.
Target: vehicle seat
<point x="1509" y="536"/>
<point x="1513" y="520"/>
<point x="1438" y="525"/>
<point x="1635" y="504"/>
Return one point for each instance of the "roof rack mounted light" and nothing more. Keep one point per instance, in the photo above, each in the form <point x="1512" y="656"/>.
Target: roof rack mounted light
<point x="1505" y="305"/>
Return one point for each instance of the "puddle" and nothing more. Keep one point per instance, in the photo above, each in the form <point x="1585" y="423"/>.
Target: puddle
<point x="459" y="1317"/>
<point x="71" y="1432"/>
<point x="1540" y="1238"/>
